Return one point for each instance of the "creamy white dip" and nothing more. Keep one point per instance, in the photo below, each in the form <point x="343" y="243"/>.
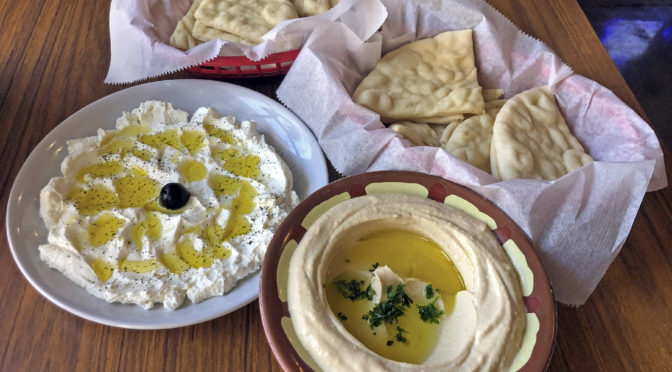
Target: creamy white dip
<point x="483" y="330"/>
<point x="110" y="233"/>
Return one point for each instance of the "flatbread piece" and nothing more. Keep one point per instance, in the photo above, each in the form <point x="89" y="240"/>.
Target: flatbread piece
<point x="204" y="32"/>
<point x="248" y="19"/>
<point x="469" y="140"/>
<point x="307" y="8"/>
<point x="419" y="134"/>
<point x="428" y="78"/>
<point x="531" y="139"/>
<point x="182" y="37"/>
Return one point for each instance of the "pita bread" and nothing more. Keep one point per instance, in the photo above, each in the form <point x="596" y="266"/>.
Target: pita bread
<point x="206" y="33"/>
<point x="492" y="94"/>
<point x="182" y="37"/>
<point x="531" y="139"/>
<point x="470" y="140"/>
<point x="307" y="8"/>
<point x="248" y="19"/>
<point x="496" y="104"/>
<point x="428" y="78"/>
<point x="440" y="119"/>
<point x="419" y="134"/>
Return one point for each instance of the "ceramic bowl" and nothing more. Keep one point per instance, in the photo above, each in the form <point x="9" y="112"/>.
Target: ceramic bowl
<point x="540" y="305"/>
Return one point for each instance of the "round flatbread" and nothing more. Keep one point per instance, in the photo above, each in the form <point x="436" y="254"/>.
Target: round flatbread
<point x="531" y="139"/>
<point x="470" y="140"/>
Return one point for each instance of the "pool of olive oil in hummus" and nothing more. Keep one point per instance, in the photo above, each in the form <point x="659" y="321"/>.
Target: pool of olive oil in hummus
<point x="407" y="338"/>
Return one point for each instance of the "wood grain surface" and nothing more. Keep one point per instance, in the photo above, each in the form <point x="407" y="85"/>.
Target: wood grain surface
<point x="54" y="57"/>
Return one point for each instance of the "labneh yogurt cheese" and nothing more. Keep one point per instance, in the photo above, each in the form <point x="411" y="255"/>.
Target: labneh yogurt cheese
<point x="164" y="207"/>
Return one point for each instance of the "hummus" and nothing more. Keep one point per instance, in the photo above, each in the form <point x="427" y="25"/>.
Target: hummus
<point x="114" y="225"/>
<point x="480" y="327"/>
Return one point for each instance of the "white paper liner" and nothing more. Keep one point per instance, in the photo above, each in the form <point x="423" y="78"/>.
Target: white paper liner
<point x="140" y="30"/>
<point x="579" y="222"/>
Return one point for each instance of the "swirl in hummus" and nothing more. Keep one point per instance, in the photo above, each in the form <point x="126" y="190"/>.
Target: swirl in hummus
<point x="478" y="328"/>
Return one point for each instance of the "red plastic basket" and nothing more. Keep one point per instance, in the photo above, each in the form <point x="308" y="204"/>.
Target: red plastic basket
<point x="242" y="67"/>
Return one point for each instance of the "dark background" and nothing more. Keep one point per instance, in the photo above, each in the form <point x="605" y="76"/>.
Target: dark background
<point x="638" y="36"/>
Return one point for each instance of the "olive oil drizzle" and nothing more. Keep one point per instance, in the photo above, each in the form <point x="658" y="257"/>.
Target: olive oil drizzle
<point x="151" y="227"/>
<point x="192" y="170"/>
<point x="102" y="170"/>
<point x="136" y="191"/>
<point x="133" y="188"/>
<point x="400" y="326"/>
<point x="102" y="268"/>
<point x="163" y="139"/>
<point x="91" y="201"/>
<point x="104" y="228"/>
<point x="193" y="140"/>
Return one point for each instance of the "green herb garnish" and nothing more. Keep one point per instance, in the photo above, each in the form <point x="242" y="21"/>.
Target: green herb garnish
<point x="400" y="334"/>
<point x="429" y="291"/>
<point x="342" y="316"/>
<point x="397" y="294"/>
<point x="374" y="267"/>
<point x="352" y="289"/>
<point x="430" y="313"/>
<point x="388" y="311"/>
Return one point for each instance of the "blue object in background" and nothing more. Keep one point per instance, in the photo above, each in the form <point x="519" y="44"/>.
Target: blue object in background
<point x="628" y="39"/>
<point x="639" y="40"/>
<point x="666" y="34"/>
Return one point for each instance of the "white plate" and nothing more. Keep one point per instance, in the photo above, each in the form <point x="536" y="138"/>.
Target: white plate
<point x="26" y="231"/>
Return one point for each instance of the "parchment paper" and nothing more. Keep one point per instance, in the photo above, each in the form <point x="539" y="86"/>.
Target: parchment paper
<point x="577" y="223"/>
<point x="140" y="30"/>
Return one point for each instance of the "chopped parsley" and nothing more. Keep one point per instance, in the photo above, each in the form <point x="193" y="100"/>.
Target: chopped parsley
<point x="342" y="316"/>
<point x="400" y="334"/>
<point x="388" y="311"/>
<point x="374" y="267"/>
<point x="397" y="294"/>
<point x="430" y="313"/>
<point x="352" y="289"/>
<point x="429" y="291"/>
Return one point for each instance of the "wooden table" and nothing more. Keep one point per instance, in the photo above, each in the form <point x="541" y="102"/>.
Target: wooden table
<point x="54" y="57"/>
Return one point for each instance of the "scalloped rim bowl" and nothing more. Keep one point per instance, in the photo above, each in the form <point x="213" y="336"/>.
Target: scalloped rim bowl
<point x="540" y="304"/>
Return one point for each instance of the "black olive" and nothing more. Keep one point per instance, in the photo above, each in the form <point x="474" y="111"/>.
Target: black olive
<point x="173" y="196"/>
